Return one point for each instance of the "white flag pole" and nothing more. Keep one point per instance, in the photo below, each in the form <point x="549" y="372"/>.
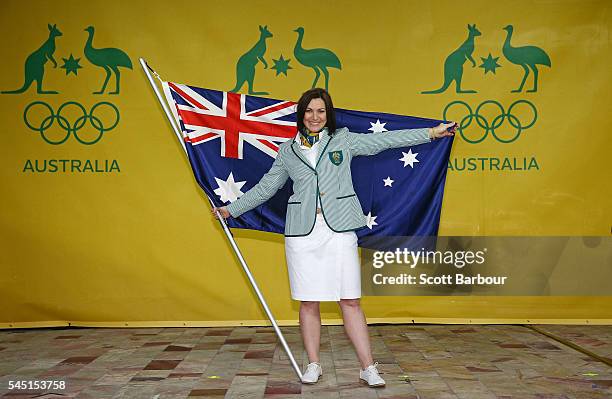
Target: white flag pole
<point x="177" y="131"/>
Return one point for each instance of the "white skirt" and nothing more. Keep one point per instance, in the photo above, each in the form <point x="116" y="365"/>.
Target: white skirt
<point x="324" y="265"/>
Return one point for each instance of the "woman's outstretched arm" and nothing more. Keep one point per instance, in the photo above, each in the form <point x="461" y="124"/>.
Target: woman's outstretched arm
<point x="371" y="144"/>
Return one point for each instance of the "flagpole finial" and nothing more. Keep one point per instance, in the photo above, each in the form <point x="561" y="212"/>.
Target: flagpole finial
<point x="145" y="63"/>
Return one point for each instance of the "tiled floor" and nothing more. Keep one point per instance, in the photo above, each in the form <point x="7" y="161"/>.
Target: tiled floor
<point x="418" y="361"/>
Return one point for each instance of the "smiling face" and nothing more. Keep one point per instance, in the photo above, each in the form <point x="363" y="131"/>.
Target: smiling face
<point x="315" y="116"/>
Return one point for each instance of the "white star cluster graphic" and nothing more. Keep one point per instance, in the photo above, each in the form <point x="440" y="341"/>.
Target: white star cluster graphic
<point x="371" y="220"/>
<point x="229" y="190"/>
<point x="409" y="158"/>
<point x="378" y="127"/>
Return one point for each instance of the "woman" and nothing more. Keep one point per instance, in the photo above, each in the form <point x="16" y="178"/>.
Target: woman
<point x="322" y="216"/>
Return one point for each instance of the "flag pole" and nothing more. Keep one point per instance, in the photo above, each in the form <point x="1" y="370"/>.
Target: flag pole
<point x="177" y="131"/>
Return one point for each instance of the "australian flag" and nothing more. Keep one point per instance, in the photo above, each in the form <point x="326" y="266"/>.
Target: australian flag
<point x="232" y="140"/>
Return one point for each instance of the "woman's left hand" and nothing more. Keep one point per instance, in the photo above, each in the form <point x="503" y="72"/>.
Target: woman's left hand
<point x="443" y="130"/>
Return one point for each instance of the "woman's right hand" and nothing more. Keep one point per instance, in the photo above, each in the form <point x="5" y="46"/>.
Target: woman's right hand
<point x="223" y="211"/>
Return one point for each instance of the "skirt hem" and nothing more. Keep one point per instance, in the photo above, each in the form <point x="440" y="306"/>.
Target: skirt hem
<point x="326" y="299"/>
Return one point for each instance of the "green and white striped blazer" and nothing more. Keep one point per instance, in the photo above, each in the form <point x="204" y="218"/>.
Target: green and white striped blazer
<point x="330" y="180"/>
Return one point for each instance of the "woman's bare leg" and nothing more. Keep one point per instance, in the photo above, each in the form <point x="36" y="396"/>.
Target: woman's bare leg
<point x="357" y="330"/>
<point x="310" y="325"/>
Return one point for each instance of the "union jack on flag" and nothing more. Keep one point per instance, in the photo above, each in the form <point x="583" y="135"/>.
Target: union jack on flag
<point x="232" y="140"/>
<point x="234" y="118"/>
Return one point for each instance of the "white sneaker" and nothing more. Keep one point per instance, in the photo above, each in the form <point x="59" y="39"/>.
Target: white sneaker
<point x="312" y="373"/>
<point x="371" y="377"/>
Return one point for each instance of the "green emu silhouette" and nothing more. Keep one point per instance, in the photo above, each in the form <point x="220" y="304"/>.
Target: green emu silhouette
<point x="108" y="58"/>
<point x="35" y="64"/>
<point x="453" y="66"/>
<point x="526" y="56"/>
<point x="245" y="67"/>
<point x="318" y="59"/>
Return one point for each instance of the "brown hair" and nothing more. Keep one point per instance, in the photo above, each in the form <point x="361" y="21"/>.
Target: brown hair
<point x="329" y="108"/>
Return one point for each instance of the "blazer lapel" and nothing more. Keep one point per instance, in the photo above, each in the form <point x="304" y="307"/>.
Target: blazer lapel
<point x="295" y="147"/>
<point x="323" y="143"/>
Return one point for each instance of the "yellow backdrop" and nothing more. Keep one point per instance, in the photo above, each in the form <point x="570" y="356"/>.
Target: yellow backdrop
<point x="128" y="240"/>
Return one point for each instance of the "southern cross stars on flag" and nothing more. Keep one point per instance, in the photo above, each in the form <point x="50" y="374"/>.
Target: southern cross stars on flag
<point x="232" y="140"/>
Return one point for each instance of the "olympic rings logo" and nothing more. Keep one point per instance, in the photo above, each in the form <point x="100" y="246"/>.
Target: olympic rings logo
<point x="496" y="123"/>
<point x="70" y="128"/>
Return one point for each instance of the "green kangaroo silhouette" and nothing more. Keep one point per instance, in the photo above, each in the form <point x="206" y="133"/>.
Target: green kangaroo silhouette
<point x="245" y="67"/>
<point x="35" y="64"/>
<point x="453" y="66"/>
